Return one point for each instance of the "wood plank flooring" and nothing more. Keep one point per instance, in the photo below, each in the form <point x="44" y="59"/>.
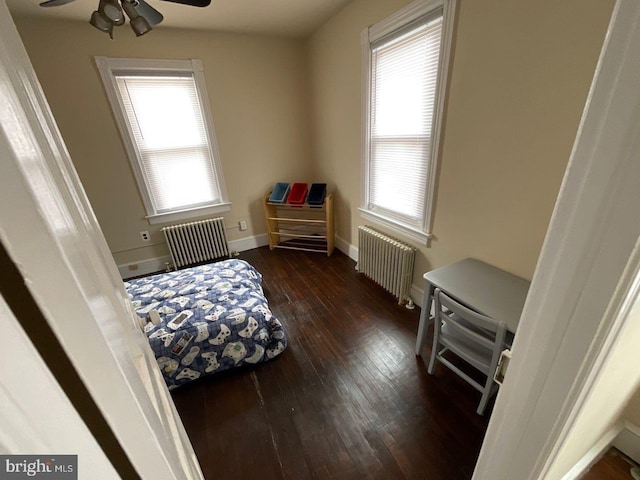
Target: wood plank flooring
<point x="348" y="399"/>
<point x="613" y="465"/>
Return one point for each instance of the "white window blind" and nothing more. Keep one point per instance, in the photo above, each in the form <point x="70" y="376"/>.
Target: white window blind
<point x="404" y="74"/>
<point x="169" y="133"/>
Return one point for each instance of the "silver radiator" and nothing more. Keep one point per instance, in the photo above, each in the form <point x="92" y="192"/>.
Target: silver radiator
<point x="197" y="242"/>
<point x="386" y="261"/>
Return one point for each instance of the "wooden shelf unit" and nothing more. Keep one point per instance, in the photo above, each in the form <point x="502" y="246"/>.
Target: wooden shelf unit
<point x="301" y="227"/>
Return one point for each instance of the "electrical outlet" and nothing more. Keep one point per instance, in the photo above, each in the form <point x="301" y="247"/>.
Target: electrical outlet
<point x="243" y="225"/>
<point x="145" y="236"/>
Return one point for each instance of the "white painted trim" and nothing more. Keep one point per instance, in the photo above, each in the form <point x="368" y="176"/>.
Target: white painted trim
<point x="577" y="316"/>
<point x="35" y="413"/>
<point x="249" y="243"/>
<point x="365" y="115"/>
<point x="444" y="66"/>
<point x="594" y="454"/>
<point x="417" y="294"/>
<point x="198" y="72"/>
<point x="107" y="66"/>
<point x="402" y="17"/>
<point x="157" y="264"/>
<point x="411" y="12"/>
<point x="150" y="65"/>
<point x="51" y="234"/>
<point x="398" y="228"/>
<point x="612" y="334"/>
<point x="347" y="248"/>
<point x="144" y="267"/>
<point x="628" y="441"/>
<point x="188" y="214"/>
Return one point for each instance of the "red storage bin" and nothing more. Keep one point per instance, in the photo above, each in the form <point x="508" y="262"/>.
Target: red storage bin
<point x="298" y="194"/>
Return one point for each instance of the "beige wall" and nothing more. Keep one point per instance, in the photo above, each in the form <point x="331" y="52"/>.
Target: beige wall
<point x="632" y="411"/>
<point x="519" y="79"/>
<point x="605" y="405"/>
<point x="259" y="94"/>
<point x="289" y="110"/>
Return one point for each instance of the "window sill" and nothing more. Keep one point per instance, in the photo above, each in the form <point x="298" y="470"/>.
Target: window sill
<point x="411" y="233"/>
<point x="188" y="214"/>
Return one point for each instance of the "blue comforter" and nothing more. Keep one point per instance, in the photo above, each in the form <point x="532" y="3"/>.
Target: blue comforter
<point x="213" y="317"/>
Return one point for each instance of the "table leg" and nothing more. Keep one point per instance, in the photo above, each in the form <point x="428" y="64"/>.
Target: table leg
<point x="425" y="317"/>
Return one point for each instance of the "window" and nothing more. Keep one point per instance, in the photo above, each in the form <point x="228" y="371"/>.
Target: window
<point x="162" y="110"/>
<point x="403" y="80"/>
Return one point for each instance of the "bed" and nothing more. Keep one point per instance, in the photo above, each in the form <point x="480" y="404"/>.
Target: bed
<point x="211" y="318"/>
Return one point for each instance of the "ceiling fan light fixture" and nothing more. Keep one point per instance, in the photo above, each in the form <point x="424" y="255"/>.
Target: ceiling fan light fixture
<point x="143" y="17"/>
<point x="111" y="10"/>
<point x="153" y="16"/>
<point x="101" y="23"/>
<point x="140" y="26"/>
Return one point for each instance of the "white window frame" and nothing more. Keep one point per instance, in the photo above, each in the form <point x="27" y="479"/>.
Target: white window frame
<point x="398" y="20"/>
<point x="108" y="67"/>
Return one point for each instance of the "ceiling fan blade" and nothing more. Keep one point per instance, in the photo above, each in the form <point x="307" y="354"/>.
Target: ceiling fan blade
<point x="55" y="3"/>
<point x="193" y="3"/>
<point x="151" y="15"/>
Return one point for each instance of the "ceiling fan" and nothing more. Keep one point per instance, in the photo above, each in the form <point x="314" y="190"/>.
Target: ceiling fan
<point x="111" y="13"/>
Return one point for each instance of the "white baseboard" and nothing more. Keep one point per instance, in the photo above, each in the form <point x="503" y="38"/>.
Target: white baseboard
<point x="143" y="267"/>
<point x="348" y="249"/>
<point x="351" y="251"/>
<point x="249" y="243"/>
<point x="628" y="441"/>
<point x="594" y="454"/>
<point x="158" y="264"/>
<point x="417" y="294"/>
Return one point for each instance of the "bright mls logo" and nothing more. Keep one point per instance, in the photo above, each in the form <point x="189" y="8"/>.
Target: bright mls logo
<point x="51" y="467"/>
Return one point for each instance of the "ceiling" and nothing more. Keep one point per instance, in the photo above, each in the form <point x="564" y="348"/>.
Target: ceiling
<point x="291" y="18"/>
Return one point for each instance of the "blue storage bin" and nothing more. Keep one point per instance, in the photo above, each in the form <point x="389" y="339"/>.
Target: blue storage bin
<point x="279" y="193"/>
<point x="317" y="192"/>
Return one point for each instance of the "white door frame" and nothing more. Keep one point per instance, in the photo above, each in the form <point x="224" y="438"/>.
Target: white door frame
<point x="580" y="307"/>
<point x="36" y="416"/>
<point x="51" y="234"/>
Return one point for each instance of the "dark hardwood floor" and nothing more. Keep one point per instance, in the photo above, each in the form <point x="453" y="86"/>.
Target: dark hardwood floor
<point x="348" y="399"/>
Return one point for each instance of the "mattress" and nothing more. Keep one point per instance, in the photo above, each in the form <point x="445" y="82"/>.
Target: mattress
<point x="212" y="318"/>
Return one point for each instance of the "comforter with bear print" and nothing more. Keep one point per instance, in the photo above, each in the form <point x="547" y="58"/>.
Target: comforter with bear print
<point x="211" y="318"/>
